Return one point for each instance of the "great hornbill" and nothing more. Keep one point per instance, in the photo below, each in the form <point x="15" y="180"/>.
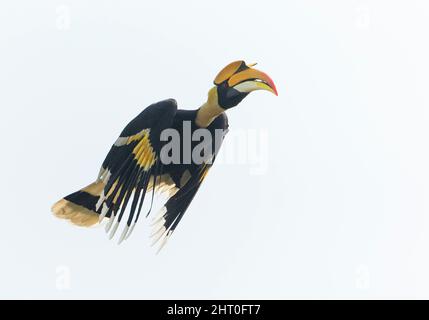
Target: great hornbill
<point x="136" y="165"/>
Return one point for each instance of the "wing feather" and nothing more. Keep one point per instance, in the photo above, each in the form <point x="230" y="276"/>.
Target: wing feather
<point x="172" y="212"/>
<point x="130" y="164"/>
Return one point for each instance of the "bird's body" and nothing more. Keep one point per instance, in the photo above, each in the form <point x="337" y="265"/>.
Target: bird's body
<point x="182" y="120"/>
<point x="162" y="149"/>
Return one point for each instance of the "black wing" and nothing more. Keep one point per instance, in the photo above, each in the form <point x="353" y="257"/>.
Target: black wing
<point x="172" y="212"/>
<point x="130" y="165"/>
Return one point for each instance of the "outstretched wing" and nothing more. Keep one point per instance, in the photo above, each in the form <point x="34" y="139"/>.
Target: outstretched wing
<point x="172" y="212"/>
<point x="131" y="164"/>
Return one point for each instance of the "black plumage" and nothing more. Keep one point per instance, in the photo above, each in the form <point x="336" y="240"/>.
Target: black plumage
<point x="136" y="167"/>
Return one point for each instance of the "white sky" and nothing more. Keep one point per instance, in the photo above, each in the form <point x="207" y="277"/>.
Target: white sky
<point x="341" y="210"/>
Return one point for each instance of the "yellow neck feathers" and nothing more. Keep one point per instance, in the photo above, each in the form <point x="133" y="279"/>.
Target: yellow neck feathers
<point x="209" y="110"/>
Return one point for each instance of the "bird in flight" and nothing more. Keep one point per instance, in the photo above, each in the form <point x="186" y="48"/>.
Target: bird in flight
<point x="163" y="149"/>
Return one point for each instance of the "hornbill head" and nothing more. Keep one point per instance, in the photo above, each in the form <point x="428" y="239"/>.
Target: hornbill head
<point x="236" y="81"/>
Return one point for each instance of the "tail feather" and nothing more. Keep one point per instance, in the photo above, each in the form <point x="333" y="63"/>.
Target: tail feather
<point x="79" y="207"/>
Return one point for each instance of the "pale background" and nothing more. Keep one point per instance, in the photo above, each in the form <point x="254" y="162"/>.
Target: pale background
<point x="341" y="210"/>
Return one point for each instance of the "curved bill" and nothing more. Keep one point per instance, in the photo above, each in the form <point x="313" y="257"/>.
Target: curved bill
<point x="250" y="80"/>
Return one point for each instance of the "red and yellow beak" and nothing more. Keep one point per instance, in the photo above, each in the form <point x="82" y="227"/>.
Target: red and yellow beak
<point x="244" y="78"/>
